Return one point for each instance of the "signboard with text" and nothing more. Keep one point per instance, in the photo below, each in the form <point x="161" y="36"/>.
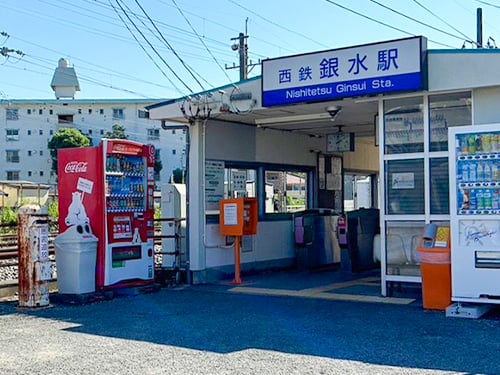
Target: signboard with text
<point x="387" y="67"/>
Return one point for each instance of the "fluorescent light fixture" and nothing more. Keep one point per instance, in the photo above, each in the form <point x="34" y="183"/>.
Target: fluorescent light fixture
<point x="293" y="119"/>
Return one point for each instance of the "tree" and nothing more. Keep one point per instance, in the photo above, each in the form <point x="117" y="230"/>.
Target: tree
<point x="117" y="132"/>
<point x="179" y="175"/>
<point x="66" y="138"/>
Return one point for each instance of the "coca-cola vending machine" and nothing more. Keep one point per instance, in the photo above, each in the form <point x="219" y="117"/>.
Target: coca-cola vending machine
<point x="109" y="188"/>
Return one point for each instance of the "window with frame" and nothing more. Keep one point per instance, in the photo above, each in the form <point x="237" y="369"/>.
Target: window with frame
<point x="404" y="186"/>
<point x="118" y="114"/>
<point x="13" y="175"/>
<point x="12" y="156"/>
<point x="65" y="119"/>
<point x="286" y="191"/>
<point x="12" y="134"/>
<point x="153" y="134"/>
<point x="403" y="125"/>
<point x="447" y="110"/>
<point x="142" y="113"/>
<point x="12" y="114"/>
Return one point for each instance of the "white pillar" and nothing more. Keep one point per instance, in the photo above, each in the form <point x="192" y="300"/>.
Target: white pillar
<point x="196" y="199"/>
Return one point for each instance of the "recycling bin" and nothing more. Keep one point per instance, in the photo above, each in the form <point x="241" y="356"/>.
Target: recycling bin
<point x="76" y="256"/>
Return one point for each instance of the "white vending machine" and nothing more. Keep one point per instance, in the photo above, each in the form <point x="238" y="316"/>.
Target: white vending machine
<point x="474" y="167"/>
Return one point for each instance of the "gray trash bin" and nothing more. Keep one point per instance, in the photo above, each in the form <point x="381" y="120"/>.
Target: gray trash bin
<point x="76" y="256"/>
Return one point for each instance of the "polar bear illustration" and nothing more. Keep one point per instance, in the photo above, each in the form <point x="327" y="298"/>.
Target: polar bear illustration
<point x="76" y="211"/>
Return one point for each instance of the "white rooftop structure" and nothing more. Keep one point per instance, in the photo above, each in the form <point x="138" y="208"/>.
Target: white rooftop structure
<point x="65" y="82"/>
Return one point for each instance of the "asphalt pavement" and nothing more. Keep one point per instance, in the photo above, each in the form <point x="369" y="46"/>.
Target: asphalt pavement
<point x="227" y="329"/>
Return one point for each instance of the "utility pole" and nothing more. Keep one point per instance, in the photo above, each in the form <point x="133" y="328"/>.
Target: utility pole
<point x="240" y="45"/>
<point x="479" y="30"/>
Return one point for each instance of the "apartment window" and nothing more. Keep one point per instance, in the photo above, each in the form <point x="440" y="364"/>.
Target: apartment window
<point x="90" y="131"/>
<point x="51" y="111"/>
<point x="102" y="132"/>
<point x="12" y="114"/>
<point x="173" y="131"/>
<point x="28" y="111"/>
<point x="41" y="152"/>
<point x="51" y="132"/>
<point x="30" y="173"/>
<point x="90" y="111"/>
<point x="29" y="132"/>
<point x="30" y="153"/>
<point x="40" y="132"/>
<point x="101" y="111"/>
<point x="12" y="175"/>
<point x="174" y="151"/>
<point x="40" y="111"/>
<point x="141" y="113"/>
<point x="12" y="134"/>
<point x="153" y="134"/>
<point x="12" y="156"/>
<point x="118" y="113"/>
<point x="41" y="173"/>
<point x="79" y="111"/>
<point x="65" y="119"/>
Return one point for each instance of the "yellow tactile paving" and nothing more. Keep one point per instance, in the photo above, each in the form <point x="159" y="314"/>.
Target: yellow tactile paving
<point x="320" y="292"/>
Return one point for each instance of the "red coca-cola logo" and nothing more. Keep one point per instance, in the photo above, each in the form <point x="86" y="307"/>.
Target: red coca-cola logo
<point x="76" y="167"/>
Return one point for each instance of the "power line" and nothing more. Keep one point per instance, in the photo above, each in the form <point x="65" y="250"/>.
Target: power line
<point x="202" y="41"/>
<point x="380" y="22"/>
<point x="442" y="20"/>
<point x="146" y="52"/>
<point x="278" y="25"/>
<point x="419" y="22"/>
<point x="189" y="69"/>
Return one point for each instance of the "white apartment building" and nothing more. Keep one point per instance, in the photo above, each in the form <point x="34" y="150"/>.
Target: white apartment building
<point x="26" y="127"/>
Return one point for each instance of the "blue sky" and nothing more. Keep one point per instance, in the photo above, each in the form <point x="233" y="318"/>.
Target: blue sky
<point x="189" y="41"/>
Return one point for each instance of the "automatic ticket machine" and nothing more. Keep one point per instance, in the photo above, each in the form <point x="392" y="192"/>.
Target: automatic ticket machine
<point x="238" y="217"/>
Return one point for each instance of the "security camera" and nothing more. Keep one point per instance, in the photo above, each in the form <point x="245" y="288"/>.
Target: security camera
<point x="333" y="110"/>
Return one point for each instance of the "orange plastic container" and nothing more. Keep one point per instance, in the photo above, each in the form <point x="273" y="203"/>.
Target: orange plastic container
<point x="435" y="266"/>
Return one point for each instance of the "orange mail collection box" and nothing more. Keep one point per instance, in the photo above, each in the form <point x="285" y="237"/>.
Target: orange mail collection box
<point x="238" y="217"/>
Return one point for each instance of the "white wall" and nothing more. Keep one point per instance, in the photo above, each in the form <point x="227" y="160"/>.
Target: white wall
<point x="485" y="105"/>
<point x="462" y="69"/>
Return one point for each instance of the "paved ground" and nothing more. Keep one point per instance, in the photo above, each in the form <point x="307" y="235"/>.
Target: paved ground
<point x="220" y="329"/>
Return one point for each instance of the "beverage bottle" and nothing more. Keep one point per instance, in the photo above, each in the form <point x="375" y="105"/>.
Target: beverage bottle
<point x="487" y="199"/>
<point x="464" y="171"/>
<point x="487" y="171"/>
<point x="472" y="172"/>
<point x="495" y="199"/>
<point x="479" y="199"/>
<point x="472" y="144"/>
<point x="472" y="200"/>
<point x="480" y="172"/>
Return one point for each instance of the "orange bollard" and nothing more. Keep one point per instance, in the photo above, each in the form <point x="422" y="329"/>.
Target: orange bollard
<point x="237" y="260"/>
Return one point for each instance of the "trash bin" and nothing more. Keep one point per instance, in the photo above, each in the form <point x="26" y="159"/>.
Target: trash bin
<point x="315" y="237"/>
<point x="435" y="266"/>
<point x="76" y="255"/>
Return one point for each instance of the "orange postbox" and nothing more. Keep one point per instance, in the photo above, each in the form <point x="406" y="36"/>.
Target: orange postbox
<point x="238" y="217"/>
<point x="435" y="266"/>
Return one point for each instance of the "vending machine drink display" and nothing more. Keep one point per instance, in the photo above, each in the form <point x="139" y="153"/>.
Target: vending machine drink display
<point x="109" y="190"/>
<point x="474" y="167"/>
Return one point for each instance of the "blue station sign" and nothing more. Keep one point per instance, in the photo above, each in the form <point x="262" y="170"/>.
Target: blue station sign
<point x="387" y="67"/>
